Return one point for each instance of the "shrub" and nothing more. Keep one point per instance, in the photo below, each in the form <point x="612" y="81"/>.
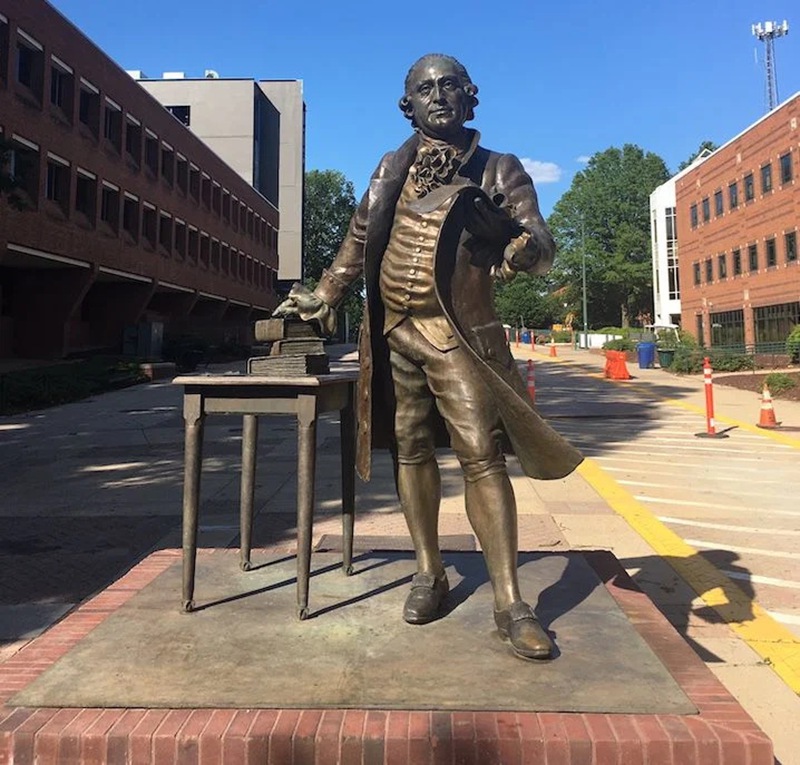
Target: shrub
<point x="620" y="344"/>
<point x="562" y="336"/>
<point x="624" y="331"/>
<point x="732" y="362"/>
<point x="778" y="382"/>
<point x="793" y="344"/>
<point x="687" y="361"/>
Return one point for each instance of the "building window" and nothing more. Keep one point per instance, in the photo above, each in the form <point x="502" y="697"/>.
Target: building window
<point x="180" y="238"/>
<point x="182" y="173"/>
<point x="112" y="125"/>
<point x="194" y="183"/>
<point x="204" y="246"/>
<point x="130" y="217"/>
<point x="225" y="259"/>
<point x="215" y="254"/>
<point x="790" y="243"/>
<point x="226" y="206"/>
<point x="709" y="270"/>
<point x="733" y="195"/>
<point x="752" y="257"/>
<point x="772" y="254"/>
<point x="165" y="232"/>
<point x="786" y="168"/>
<point x="766" y="178"/>
<point x="205" y="191"/>
<point x="89" y="107"/>
<point x="193" y="245"/>
<point x="749" y="188"/>
<point x="109" y="207"/>
<point x="722" y="266"/>
<point x="706" y="210"/>
<point x="727" y="328"/>
<point x="774" y="323"/>
<point x="216" y="199"/>
<point x="150" y="225"/>
<point x="181" y="113"/>
<point x="718" y="202"/>
<point x="86" y="196"/>
<point x="133" y="140"/>
<point x="151" y="153"/>
<point x="62" y="88"/>
<point x="24" y="169"/>
<point x="673" y="274"/>
<point x="696" y="271"/>
<point x="167" y="164"/>
<point x="30" y="64"/>
<point x="58" y="182"/>
<point x="737" y="262"/>
<point x="3" y="49"/>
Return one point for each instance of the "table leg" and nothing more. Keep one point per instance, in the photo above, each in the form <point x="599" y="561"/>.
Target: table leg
<point x="306" y="464"/>
<point x="347" y="431"/>
<point x="193" y="460"/>
<point x="249" y="449"/>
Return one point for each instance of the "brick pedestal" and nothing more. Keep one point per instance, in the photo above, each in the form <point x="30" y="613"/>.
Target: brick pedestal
<point x="722" y="733"/>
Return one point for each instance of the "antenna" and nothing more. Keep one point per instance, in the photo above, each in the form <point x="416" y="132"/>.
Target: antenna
<point x="766" y="33"/>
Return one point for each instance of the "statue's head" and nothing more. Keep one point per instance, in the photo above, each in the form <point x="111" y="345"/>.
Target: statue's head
<point x="439" y="96"/>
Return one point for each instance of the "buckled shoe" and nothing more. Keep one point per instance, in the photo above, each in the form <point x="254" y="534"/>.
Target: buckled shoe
<point x="425" y="600"/>
<point x="519" y="625"/>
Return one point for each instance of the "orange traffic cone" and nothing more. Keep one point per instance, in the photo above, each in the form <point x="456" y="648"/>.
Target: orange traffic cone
<point x="553" y="346"/>
<point x="767" y="417"/>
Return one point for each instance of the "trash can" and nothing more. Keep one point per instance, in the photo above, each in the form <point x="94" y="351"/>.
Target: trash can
<point x="526" y="336"/>
<point x="665" y="357"/>
<point x="646" y="353"/>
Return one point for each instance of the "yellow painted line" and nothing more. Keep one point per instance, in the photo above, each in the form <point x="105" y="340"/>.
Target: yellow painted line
<point x="775" y="435"/>
<point x="777" y="645"/>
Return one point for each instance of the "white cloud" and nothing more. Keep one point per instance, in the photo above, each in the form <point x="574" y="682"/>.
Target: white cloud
<point x="541" y="172"/>
<point x="583" y="159"/>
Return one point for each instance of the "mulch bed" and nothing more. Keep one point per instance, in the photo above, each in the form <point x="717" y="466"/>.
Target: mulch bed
<point x="754" y="381"/>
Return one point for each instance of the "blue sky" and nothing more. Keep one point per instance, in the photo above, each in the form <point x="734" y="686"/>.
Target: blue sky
<point x="558" y="80"/>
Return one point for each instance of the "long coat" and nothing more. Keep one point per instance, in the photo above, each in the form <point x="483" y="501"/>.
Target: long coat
<point x="464" y="287"/>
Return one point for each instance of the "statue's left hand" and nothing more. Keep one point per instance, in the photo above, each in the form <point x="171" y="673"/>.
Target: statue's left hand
<point x="485" y="220"/>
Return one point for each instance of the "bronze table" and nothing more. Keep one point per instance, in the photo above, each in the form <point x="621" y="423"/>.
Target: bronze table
<point x="251" y="396"/>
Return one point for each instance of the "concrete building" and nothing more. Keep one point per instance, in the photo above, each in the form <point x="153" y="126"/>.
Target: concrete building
<point x="664" y="241"/>
<point x="130" y="218"/>
<point x="258" y="128"/>
<point x="737" y="220"/>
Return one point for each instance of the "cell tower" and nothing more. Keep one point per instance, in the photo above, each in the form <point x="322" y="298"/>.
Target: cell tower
<point x="767" y="32"/>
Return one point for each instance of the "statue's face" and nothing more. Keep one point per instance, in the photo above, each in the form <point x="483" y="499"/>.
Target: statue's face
<point x="438" y="99"/>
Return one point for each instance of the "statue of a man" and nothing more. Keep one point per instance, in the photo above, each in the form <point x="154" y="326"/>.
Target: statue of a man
<point x="442" y="220"/>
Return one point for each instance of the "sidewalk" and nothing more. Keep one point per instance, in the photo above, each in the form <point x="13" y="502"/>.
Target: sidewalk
<point x="92" y="487"/>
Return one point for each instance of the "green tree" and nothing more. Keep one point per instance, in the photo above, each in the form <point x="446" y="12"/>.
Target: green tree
<point x="527" y="299"/>
<point x="708" y="146"/>
<point x="330" y="202"/>
<point x="608" y="207"/>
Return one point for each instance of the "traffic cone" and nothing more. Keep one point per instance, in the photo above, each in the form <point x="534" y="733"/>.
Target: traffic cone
<point x="767" y="417"/>
<point x="553" y="346"/>
<point x="531" y="381"/>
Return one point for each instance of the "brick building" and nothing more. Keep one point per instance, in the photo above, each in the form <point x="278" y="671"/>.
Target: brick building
<point x="737" y="220"/>
<point x="131" y="219"/>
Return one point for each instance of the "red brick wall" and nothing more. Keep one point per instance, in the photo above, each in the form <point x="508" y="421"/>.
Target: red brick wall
<point x="47" y="229"/>
<point x="769" y="215"/>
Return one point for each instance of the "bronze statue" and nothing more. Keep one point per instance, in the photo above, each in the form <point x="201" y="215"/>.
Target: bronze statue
<point x="442" y="220"/>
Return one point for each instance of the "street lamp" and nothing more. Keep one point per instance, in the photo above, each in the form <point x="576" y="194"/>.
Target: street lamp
<point x="583" y="279"/>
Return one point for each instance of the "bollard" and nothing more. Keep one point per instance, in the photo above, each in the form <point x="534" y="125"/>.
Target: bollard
<point x="531" y="381"/>
<point x="533" y="341"/>
<point x="711" y="426"/>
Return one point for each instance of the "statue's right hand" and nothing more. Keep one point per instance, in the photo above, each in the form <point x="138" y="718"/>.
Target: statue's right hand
<point x="300" y="302"/>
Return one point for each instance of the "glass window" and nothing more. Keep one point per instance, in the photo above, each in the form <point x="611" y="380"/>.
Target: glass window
<point x="151" y="154"/>
<point x="165" y="232"/>
<point x="733" y="195"/>
<point x="149" y="225"/>
<point x="722" y="266"/>
<point x="181" y="113"/>
<point x="109" y="207"/>
<point x="774" y="322"/>
<point x="30" y="67"/>
<point x="58" y="182"/>
<point x="706" y="210"/>
<point x="61" y="90"/>
<point x="786" y="168"/>
<point x="772" y="254"/>
<point x="766" y="178"/>
<point x="790" y="243"/>
<point x="718" y="202"/>
<point x="737" y="262"/>
<point x="749" y="188"/>
<point x="727" y="328"/>
<point x="130" y="217"/>
<point x="752" y="257"/>
<point x="133" y="141"/>
<point x="696" y="274"/>
<point x="86" y="197"/>
<point x="693" y="215"/>
<point x="709" y="270"/>
<point x="112" y="126"/>
<point x="167" y="164"/>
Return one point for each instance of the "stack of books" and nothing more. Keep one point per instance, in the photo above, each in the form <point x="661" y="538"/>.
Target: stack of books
<point x="296" y="349"/>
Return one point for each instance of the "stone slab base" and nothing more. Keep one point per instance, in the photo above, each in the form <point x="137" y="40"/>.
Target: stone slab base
<point x="721" y="733"/>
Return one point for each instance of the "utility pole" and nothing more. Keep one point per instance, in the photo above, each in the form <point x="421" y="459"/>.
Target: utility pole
<point x="766" y="33"/>
<point x="583" y="279"/>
